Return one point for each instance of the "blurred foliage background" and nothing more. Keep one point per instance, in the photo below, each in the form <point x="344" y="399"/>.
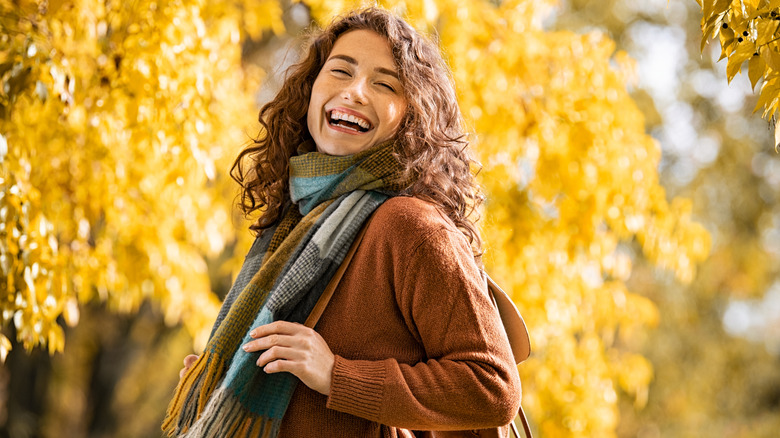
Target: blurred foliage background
<point x="633" y="202"/>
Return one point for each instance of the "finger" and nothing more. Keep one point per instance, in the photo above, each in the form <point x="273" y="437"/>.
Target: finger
<point x="302" y="339"/>
<point x="279" y="353"/>
<point x="277" y="327"/>
<point x="279" y="366"/>
<point x="273" y="340"/>
<point x="189" y="360"/>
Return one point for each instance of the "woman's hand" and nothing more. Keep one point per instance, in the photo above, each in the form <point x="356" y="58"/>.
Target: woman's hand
<point x="296" y="349"/>
<point x="188" y="362"/>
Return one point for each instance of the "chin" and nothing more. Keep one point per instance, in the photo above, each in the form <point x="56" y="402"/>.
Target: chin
<point x="330" y="149"/>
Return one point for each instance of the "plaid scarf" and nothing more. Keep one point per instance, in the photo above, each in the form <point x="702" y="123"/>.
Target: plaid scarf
<point x="224" y="394"/>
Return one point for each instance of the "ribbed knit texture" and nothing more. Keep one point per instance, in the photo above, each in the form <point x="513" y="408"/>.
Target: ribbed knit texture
<point x="357" y="384"/>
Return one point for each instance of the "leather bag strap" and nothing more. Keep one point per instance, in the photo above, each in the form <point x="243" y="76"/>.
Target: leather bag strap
<point x="526" y="426"/>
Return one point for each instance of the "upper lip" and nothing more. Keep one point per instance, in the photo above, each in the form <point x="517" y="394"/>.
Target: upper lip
<point x="350" y="112"/>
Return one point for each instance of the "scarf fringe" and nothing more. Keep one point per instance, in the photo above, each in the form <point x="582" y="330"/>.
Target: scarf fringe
<point x="224" y="416"/>
<point x="192" y="394"/>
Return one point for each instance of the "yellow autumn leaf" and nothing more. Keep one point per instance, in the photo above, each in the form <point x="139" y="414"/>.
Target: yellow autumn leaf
<point x="756" y="69"/>
<point x="771" y="56"/>
<point x="766" y="31"/>
<point x="755" y="22"/>
<point x="744" y="51"/>
<point x="769" y="90"/>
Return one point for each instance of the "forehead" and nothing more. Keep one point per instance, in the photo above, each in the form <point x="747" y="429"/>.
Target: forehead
<point x="366" y="46"/>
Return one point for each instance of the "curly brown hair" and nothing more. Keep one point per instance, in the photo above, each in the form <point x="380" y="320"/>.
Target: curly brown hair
<point x="432" y="143"/>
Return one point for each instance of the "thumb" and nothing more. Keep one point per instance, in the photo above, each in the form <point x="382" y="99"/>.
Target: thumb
<point x="189" y="360"/>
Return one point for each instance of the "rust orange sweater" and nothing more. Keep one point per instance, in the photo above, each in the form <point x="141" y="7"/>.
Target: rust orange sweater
<point x="418" y="343"/>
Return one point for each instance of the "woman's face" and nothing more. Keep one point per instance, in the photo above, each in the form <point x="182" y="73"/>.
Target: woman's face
<point x="357" y="100"/>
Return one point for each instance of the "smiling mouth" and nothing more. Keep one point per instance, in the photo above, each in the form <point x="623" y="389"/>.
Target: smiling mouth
<point x="348" y="121"/>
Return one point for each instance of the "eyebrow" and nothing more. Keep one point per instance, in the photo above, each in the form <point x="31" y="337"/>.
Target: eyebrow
<point x="353" y="61"/>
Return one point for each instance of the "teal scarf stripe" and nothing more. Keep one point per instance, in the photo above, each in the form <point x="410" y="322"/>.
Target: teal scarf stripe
<point x="310" y="192"/>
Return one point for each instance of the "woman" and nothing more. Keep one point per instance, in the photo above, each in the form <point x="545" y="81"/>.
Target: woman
<point x="366" y="125"/>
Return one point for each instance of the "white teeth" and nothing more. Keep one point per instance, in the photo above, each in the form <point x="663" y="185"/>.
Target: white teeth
<point x="337" y="115"/>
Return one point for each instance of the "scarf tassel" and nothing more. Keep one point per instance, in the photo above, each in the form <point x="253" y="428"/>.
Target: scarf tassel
<point x="192" y="394"/>
<point x="225" y="416"/>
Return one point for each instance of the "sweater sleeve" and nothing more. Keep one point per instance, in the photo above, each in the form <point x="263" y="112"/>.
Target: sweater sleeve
<point x="468" y="379"/>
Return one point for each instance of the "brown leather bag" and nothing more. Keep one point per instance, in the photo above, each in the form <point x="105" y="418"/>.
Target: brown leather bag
<point x="510" y="317"/>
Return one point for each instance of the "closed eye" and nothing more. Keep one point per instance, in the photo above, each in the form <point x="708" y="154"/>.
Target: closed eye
<point x="340" y="71"/>
<point x="388" y="86"/>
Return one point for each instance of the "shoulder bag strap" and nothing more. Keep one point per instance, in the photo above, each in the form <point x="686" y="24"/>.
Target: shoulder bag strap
<point x="526" y="426"/>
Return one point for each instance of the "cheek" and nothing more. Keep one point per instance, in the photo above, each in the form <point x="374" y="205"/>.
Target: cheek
<point x="317" y="97"/>
<point x="395" y="113"/>
<point x="315" y="105"/>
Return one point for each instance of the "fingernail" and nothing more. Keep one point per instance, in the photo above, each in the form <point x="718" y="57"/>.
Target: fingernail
<point x="253" y="333"/>
<point x="246" y="347"/>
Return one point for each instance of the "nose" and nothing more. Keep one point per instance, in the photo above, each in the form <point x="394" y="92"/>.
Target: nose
<point x="355" y="91"/>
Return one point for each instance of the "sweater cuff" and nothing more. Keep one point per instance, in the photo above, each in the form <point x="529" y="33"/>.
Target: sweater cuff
<point x="356" y="387"/>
